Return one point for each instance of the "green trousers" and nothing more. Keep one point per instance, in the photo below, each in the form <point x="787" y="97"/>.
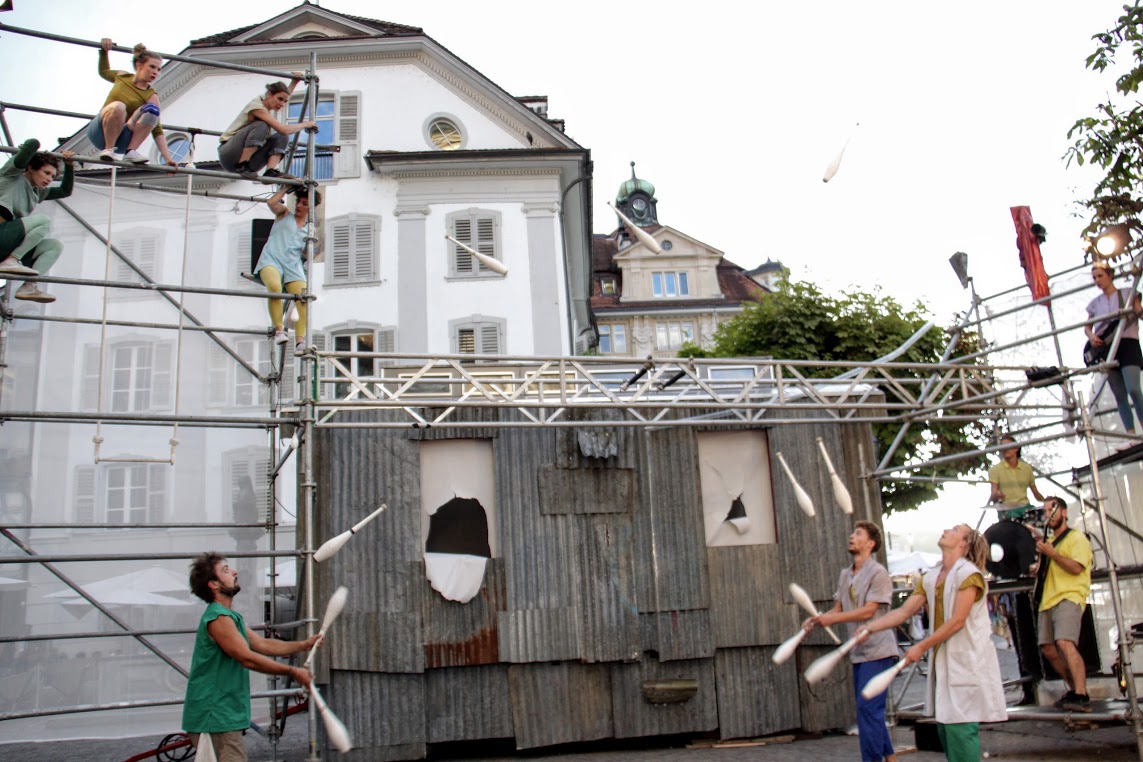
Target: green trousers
<point x="961" y="741"/>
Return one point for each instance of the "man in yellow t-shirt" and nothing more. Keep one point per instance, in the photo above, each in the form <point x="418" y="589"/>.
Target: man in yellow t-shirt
<point x="1066" y="584"/>
<point x="1011" y="479"/>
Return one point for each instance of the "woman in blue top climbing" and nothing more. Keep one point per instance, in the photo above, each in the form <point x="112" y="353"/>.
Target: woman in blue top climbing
<point x="280" y="263"/>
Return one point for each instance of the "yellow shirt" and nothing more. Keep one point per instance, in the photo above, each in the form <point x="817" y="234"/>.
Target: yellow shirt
<point x="1013" y="482"/>
<point x="123" y="89"/>
<point x="937" y="617"/>
<point x="1061" y="586"/>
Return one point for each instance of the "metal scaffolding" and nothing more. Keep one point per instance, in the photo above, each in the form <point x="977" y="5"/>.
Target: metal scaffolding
<point x="418" y="391"/>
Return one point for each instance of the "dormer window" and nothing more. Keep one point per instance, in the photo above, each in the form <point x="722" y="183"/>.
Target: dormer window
<point x="669" y="284"/>
<point x="607" y="285"/>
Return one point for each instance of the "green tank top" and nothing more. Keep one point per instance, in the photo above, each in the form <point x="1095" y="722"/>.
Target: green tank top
<point x="218" y="689"/>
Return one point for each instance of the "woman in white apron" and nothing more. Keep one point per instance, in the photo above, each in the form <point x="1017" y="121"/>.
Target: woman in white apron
<point x="964" y="687"/>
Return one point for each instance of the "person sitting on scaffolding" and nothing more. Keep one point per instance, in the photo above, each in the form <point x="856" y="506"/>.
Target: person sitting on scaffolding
<point x="280" y="262"/>
<point x="25" y="248"/>
<point x="131" y="109"/>
<point x="257" y="137"/>
<point x="1011" y="479"/>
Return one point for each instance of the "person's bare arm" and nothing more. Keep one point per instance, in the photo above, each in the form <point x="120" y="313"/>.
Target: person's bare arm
<point x="277" y="204"/>
<point x="225" y="633"/>
<point x="1070" y="565"/>
<point x="837" y="616"/>
<point x="898" y="616"/>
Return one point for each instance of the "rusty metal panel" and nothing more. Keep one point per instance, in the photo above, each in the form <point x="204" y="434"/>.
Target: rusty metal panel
<point x="586" y="490"/>
<point x="748" y="604"/>
<point x="358" y="469"/>
<point x="464" y="634"/>
<point x="673" y="635"/>
<point x="755" y="696"/>
<point x="609" y="613"/>
<point x="560" y="703"/>
<point x="636" y="716"/>
<point x="829" y="704"/>
<point x="670" y="563"/>
<point x="385" y="714"/>
<point x="813" y="549"/>
<point x="528" y="635"/>
<point x="467" y="704"/>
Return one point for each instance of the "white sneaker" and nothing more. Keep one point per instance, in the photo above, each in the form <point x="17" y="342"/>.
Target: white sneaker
<point x="280" y="337"/>
<point x="12" y="266"/>
<point x="108" y="154"/>
<point x="30" y="292"/>
<point x="135" y="157"/>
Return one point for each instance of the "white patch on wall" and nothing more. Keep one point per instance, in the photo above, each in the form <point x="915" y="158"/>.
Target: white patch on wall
<point x="737" y="501"/>
<point x="458" y="519"/>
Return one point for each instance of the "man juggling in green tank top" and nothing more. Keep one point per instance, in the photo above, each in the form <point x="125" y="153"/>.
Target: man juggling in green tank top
<point x="225" y="649"/>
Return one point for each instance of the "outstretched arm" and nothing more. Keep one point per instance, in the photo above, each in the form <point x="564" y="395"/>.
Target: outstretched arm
<point x="225" y="633"/>
<point x="65" y="186"/>
<point x="24" y="155"/>
<point x="105" y="69"/>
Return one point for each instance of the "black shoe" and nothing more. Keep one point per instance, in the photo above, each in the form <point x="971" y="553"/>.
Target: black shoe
<point x="1059" y="703"/>
<point x="1078" y="702"/>
<point x="272" y="173"/>
<point x="244" y="169"/>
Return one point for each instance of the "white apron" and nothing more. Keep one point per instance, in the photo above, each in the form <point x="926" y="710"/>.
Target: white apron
<point x="964" y="678"/>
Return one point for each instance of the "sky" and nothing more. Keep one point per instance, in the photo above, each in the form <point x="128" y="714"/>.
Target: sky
<point x="953" y="113"/>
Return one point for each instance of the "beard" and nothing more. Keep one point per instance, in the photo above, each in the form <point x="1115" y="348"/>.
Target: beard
<point x="230" y="592"/>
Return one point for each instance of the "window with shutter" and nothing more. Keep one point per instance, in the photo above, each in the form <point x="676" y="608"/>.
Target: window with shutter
<point x="478" y="334"/>
<point x="162" y="389"/>
<point x="143" y="248"/>
<point x="321" y="368"/>
<point x="217" y="376"/>
<point x="248" y="390"/>
<point x="135" y="493"/>
<point x="241" y="243"/>
<point x="246" y="472"/>
<point x="348" y="130"/>
<point x="84" y="497"/>
<point x="156" y="493"/>
<point x="478" y="229"/>
<point x="352" y="250"/>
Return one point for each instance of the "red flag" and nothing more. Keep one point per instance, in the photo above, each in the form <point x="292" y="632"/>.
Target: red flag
<point x="1029" y="246"/>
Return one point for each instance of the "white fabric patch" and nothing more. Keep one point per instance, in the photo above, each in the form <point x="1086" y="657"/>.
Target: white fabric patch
<point x="456" y="577"/>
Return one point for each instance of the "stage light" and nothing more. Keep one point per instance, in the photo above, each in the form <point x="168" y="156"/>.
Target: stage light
<point x="1113" y="240"/>
<point x="959" y="262"/>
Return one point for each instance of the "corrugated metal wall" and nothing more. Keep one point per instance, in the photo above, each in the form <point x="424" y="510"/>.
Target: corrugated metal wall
<point x="603" y="586"/>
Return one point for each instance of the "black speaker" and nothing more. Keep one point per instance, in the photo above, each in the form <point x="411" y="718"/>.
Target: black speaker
<point x="259" y="234"/>
<point x="1019" y="549"/>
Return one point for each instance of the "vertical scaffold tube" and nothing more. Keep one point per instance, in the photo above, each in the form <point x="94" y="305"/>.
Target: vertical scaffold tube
<point x="308" y="411"/>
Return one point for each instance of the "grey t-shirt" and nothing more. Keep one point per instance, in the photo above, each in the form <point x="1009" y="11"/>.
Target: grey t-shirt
<point x="870" y="583"/>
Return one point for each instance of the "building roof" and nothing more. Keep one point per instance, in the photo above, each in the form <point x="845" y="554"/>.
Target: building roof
<point x="382" y="27"/>
<point x="736" y="286"/>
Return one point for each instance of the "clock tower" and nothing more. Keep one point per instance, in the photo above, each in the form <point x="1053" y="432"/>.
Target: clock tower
<point x="636" y="199"/>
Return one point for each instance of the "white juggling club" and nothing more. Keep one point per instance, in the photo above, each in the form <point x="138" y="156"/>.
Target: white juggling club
<point x="332" y="545"/>
<point x="786" y="650"/>
<point x="490" y="262"/>
<point x="800" y="494"/>
<point x="334" y="728"/>
<point x="332" y="609"/>
<point x="643" y="236"/>
<point x="880" y="682"/>
<point x="823" y="665"/>
<point x="840" y="493"/>
<point x="803" y="599"/>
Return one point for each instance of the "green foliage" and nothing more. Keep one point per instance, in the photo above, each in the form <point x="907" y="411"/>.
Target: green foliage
<point x="799" y="322"/>
<point x="1110" y="138"/>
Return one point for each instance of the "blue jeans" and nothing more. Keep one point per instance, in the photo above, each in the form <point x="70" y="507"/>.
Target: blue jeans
<point x="1124" y="383"/>
<point x="871" y="730"/>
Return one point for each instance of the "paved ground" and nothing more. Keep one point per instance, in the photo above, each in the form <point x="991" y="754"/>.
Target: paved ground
<point x="1026" y="741"/>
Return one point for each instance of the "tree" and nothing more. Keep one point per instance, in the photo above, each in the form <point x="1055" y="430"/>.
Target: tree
<point x="799" y="322"/>
<point x="1111" y="138"/>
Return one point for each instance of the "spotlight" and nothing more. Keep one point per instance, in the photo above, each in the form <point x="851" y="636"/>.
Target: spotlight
<point x="1113" y="240"/>
<point x="959" y="262"/>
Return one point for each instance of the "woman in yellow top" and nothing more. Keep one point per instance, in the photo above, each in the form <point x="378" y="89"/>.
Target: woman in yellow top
<point x="131" y="109"/>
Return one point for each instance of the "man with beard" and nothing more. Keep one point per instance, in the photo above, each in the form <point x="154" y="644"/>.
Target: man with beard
<point x="1066" y="583"/>
<point x="218" y="689"/>
<point x="864" y="591"/>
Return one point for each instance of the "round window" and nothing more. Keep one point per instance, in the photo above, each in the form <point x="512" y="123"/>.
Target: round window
<point x="666" y="246"/>
<point x="445" y="135"/>
<point x="180" y="147"/>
